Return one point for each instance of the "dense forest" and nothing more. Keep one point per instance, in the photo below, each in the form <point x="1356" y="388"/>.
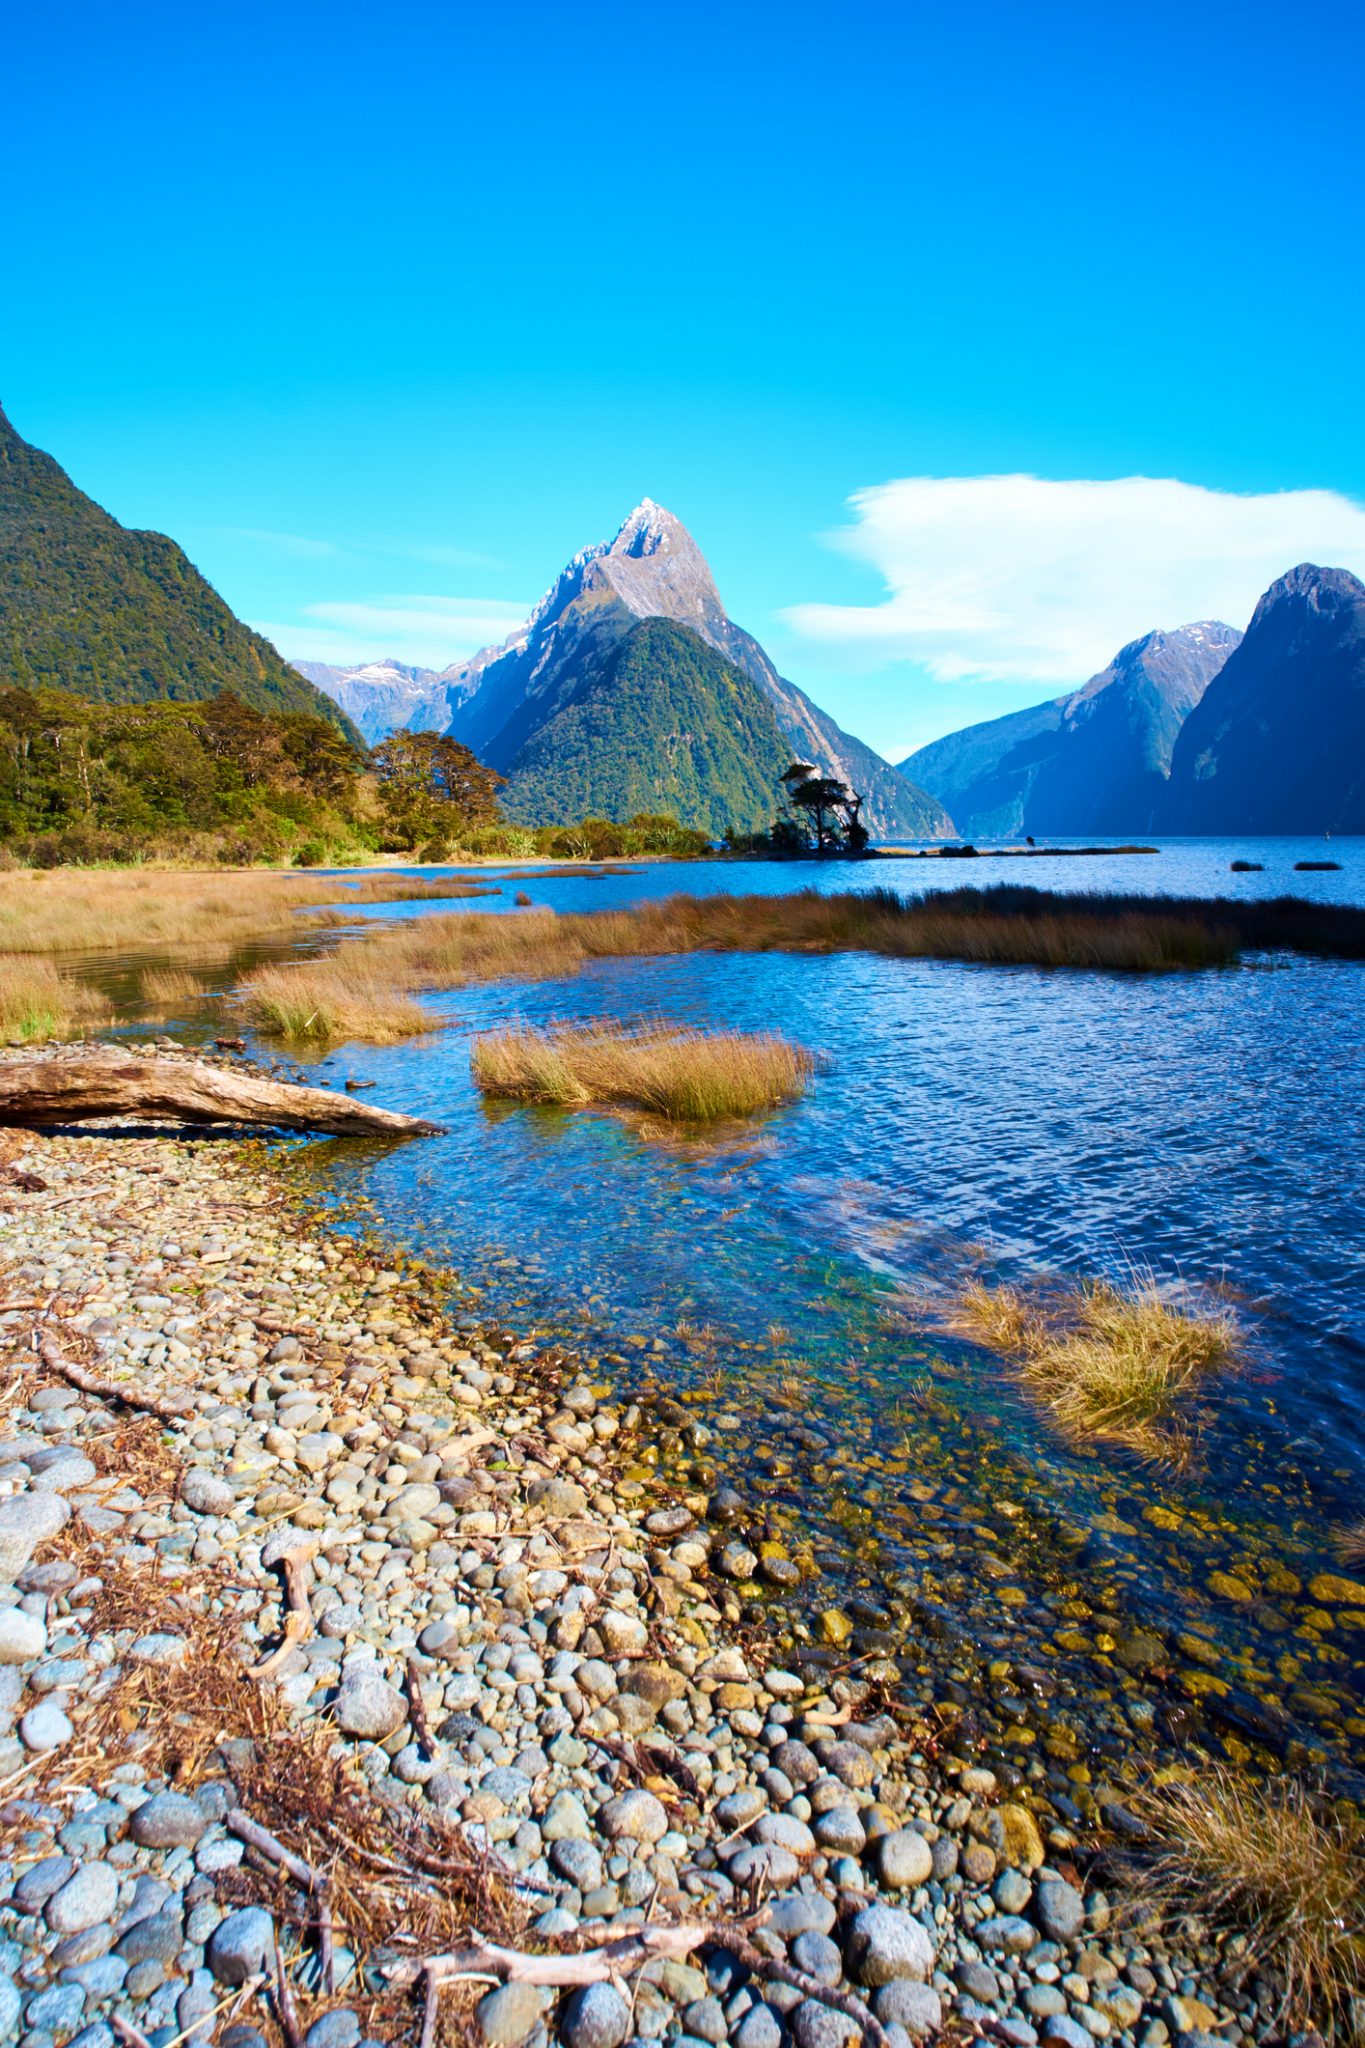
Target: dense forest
<point x="117" y="615"/>
<point x="221" y="781"/>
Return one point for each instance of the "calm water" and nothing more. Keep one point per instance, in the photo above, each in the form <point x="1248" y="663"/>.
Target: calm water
<point x="1003" y="1121"/>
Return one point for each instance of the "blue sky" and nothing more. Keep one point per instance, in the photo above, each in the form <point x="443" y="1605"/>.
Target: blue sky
<point x="383" y="314"/>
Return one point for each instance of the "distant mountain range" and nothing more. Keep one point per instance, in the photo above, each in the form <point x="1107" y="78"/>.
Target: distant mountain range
<point x="1277" y="741"/>
<point x="1094" y="761"/>
<point x="1201" y="731"/>
<point x="543" y="707"/>
<point x="115" y="614"/>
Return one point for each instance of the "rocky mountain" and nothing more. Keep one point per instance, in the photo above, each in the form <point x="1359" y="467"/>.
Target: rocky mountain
<point x="382" y="696"/>
<point x="1095" y="761"/>
<point x="114" y="614"/>
<point x="500" y="699"/>
<point x="1277" y="742"/>
<point x="660" y="722"/>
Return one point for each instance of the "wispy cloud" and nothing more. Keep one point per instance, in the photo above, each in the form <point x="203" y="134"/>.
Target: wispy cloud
<point x="1023" y="579"/>
<point x="427" y="631"/>
<point x="294" y="544"/>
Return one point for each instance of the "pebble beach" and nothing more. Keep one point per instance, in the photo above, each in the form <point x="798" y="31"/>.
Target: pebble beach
<point x="498" y="1642"/>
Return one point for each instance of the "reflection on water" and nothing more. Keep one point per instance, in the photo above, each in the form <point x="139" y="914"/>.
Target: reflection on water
<point x="1072" y="1604"/>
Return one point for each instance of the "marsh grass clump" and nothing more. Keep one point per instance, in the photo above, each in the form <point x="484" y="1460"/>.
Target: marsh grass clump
<point x="1283" y="1868"/>
<point x="38" y="1002"/>
<point x="1349" y="1544"/>
<point x="1109" y="1363"/>
<point x="669" y="1070"/>
<point x="165" y="988"/>
<point x="324" y="1001"/>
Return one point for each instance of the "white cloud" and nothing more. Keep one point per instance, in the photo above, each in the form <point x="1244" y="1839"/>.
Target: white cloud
<point x="290" y="544"/>
<point x="1023" y="579"/>
<point x="429" y="632"/>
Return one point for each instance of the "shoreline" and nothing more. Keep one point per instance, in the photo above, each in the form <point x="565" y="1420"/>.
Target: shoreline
<point x="584" y="1715"/>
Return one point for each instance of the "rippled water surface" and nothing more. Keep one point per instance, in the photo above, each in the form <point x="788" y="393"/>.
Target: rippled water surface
<point x="1006" y="1121"/>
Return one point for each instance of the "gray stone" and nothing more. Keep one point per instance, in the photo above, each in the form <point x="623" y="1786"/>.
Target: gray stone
<point x="27" y="1522"/>
<point x="637" y="1816"/>
<point x="88" y="1896"/>
<point x="579" y="1862"/>
<point x="22" y="1636"/>
<point x="818" y="1956"/>
<point x="904" y="1860"/>
<point x="1006" y="1934"/>
<point x="1011" y="1891"/>
<point x="759" y="2028"/>
<point x="1065" y="2032"/>
<point x="206" y="1494"/>
<point x="507" y="2015"/>
<point x="241" y="1946"/>
<point x="168" y="1820"/>
<point x="841" y="1830"/>
<point x="368" y="1706"/>
<point x="978" y="1980"/>
<point x="884" y="1943"/>
<point x="1059" y="1909"/>
<point x="157" y="1939"/>
<point x="99" y="2035"/>
<point x="60" y="2008"/>
<point x="815" y="2025"/>
<point x="160" y="1648"/>
<point x="704" y="2020"/>
<point x="9" y="2008"/>
<point x="793" y="1914"/>
<point x="37" y="1884"/>
<point x="339" y="2029"/>
<point x="44" y="1727"/>
<point x="596" y="2017"/>
<point x="916" y="2007"/>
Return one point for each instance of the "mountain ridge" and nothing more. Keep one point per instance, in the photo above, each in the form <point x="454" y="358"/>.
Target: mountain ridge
<point x="1094" y="760"/>
<point x="119" y="614"/>
<point x="1277" y="742"/>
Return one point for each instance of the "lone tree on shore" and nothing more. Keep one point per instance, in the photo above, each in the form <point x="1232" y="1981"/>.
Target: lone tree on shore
<point x="825" y="811"/>
<point x="431" y="786"/>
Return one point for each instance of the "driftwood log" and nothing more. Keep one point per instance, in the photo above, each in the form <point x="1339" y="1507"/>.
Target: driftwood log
<point x="35" y="1093"/>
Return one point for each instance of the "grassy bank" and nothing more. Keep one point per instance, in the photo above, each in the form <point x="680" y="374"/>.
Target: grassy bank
<point x="90" y="909"/>
<point x="685" y="1075"/>
<point x="1002" y="927"/>
<point x="38" y="1002"/>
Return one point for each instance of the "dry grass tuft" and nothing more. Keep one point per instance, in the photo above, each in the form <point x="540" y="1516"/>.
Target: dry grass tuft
<point x="37" y="1002"/>
<point x="1349" y="1544"/>
<point x="1106" y="1363"/>
<point x="325" y="1001"/>
<point x="671" y="1070"/>
<point x="166" y="987"/>
<point x="1283" y="1867"/>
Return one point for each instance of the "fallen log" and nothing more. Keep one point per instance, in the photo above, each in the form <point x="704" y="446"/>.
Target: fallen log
<point x="36" y="1093"/>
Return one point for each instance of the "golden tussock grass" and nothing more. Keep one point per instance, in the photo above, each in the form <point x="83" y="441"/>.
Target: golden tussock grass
<point x="1283" y="1867"/>
<point x="1107" y="1363"/>
<point x="671" y="1070"/>
<point x="38" y="1002"/>
<point x="1349" y="1544"/>
<point x="163" y="987"/>
<point x="325" y="1001"/>
<point x="91" y="909"/>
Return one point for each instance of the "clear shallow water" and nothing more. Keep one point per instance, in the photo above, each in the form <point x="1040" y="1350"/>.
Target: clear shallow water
<point x="770" y="1289"/>
<point x="1006" y="1121"/>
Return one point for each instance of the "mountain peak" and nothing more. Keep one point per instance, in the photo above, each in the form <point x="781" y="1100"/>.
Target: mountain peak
<point x="1321" y="589"/>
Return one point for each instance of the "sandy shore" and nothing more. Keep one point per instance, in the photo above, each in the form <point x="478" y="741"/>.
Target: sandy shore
<point x="521" y="1668"/>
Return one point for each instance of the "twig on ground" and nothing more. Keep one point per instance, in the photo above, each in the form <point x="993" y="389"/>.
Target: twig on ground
<point x="417" y="1709"/>
<point x="170" y="1409"/>
<point x="319" y="1887"/>
<point x="743" y="1950"/>
<point x="298" y="1625"/>
<point x="131" y="2036"/>
<point x="589" y="1966"/>
<point x="284" y="2000"/>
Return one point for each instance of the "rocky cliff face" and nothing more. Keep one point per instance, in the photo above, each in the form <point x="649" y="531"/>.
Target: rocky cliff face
<point x="1277" y="742"/>
<point x="1096" y="761"/>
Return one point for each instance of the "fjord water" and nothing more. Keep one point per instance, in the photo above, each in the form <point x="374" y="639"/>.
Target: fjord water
<point x="778" y="1285"/>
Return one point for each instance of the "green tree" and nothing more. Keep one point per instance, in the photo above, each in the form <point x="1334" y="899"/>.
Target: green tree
<point x="431" y="786"/>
